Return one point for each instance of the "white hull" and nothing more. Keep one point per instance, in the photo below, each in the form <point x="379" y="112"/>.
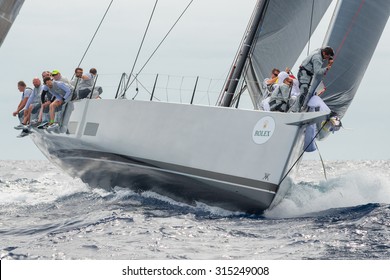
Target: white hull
<point x="231" y="158"/>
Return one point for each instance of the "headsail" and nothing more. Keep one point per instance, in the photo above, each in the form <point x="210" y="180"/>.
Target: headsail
<point x="9" y="9"/>
<point x="286" y="29"/>
<point x="280" y="38"/>
<point x="354" y="33"/>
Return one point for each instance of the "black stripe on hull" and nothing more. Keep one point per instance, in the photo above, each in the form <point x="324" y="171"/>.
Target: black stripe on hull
<point x="106" y="170"/>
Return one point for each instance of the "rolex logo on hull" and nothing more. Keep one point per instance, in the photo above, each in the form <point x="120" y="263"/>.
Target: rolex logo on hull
<point x="263" y="130"/>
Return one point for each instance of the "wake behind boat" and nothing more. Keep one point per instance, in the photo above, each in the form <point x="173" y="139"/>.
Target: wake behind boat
<point x="235" y="158"/>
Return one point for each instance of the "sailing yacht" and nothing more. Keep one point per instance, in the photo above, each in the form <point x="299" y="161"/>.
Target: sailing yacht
<point x="223" y="155"/>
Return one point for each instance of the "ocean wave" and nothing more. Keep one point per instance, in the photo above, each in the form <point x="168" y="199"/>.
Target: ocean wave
<point x="348" y="189"/>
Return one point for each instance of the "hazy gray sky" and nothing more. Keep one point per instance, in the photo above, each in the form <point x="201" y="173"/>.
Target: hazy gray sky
<point x="51" y="35"/>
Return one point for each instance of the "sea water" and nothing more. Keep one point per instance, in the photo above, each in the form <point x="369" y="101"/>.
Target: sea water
<point x="45" y="214"/>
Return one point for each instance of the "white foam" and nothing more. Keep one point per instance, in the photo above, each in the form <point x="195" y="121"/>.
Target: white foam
<point x="31" y="187"/>
<point x="199" y="206"/>
<point x="357" y="188"/>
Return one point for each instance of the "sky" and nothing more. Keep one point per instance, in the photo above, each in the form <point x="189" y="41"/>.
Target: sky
<point x="51" y="35"/>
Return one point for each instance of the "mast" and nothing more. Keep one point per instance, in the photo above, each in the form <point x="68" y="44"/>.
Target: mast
<point x="237" y="69"/>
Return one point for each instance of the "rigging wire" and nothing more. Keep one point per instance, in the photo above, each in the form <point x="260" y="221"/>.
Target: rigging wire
<point x="139" y="49"/>
<point x="303" y="152"/>
<point x="208" y="91"/>
<point x="136" y="90"/>
<point x="93" y="37"/>
<point x="166" y="89"/>
<point x="181" y="85"/>
<point x="158" y="46"/>
<point x="322" y="162"/>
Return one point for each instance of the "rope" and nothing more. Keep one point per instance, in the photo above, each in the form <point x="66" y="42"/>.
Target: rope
<point x="139" y="49"/>
<point x="322" y="162"/>
<point x="93" y="37"/>
<point x="308" y="145"/>
<point x="150" y="57"/>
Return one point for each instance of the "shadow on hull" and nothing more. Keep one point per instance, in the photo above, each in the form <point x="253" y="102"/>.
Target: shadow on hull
<point x="105" y="170"/>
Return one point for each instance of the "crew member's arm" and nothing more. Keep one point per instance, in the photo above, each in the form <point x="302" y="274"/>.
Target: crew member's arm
<point x="317" y="66"/>
<point x="67" y="90"/>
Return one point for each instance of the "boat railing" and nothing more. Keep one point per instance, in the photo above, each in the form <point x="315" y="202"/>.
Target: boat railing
<point x="170" y="88"/>
<point x="198" y="90"/>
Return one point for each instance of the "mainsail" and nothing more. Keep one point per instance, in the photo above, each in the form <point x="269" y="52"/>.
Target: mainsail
<point x="9" y="9"/>
<point x="354" y="33"/>
<point x="281" y="35"/>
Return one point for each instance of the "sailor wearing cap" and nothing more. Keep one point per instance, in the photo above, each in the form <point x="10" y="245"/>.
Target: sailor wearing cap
<point x="58" y="77"/>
